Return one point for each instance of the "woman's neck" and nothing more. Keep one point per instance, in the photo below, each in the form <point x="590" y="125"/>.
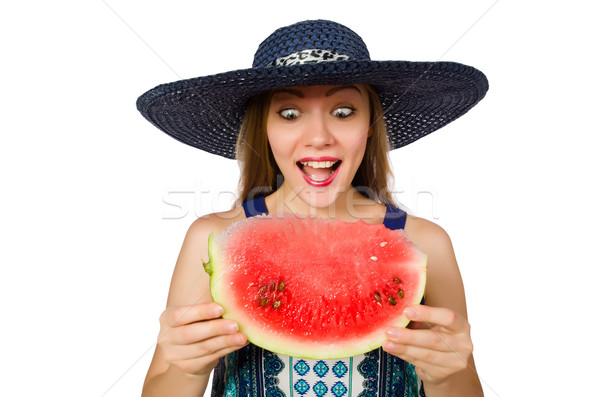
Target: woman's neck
<point x="348" y="206"/>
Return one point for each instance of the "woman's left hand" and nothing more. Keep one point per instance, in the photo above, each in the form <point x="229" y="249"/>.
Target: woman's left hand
<point x="437" y="342"/>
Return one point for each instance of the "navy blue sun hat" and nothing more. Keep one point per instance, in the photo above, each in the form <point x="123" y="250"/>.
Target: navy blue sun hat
<point x="417" y="97"/>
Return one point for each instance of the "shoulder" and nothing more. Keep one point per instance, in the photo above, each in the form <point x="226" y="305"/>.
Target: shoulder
<point x="217" y="222"/>
<point x="430" y="237"/>
<point x="190" y="283"/>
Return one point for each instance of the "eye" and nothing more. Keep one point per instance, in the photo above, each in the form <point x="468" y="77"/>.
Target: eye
<point x="289" y="114"/>
<point x="342" y="112"/>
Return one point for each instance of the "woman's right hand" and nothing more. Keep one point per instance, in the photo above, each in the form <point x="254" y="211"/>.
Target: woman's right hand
<point x="194" y="337"/>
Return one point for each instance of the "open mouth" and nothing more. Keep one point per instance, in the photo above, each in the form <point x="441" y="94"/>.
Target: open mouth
<point x="319" y="172"/>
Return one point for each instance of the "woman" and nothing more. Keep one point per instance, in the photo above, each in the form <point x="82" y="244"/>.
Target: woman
<point x="310" y="120"/>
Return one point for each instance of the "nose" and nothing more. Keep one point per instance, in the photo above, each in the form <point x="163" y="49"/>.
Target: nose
<point x="318" y="134"/>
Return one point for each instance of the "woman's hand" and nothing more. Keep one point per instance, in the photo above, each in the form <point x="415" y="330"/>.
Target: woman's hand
<point x="438" y="342"/>
<point x="194" y="337"/>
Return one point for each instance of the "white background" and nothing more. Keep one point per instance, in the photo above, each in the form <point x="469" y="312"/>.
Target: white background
<point x="88" y="239"/>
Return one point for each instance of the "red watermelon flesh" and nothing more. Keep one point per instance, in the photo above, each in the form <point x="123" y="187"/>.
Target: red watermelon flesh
<point x="315" y="288"/>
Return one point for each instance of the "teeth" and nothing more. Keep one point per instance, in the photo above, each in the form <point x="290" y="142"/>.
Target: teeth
<point x="319" y="164"/>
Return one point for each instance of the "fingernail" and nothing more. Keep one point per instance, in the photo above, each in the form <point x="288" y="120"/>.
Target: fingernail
<point x="217" y="311"/>
<point x="410" y="313"/>
<point x="387" y="345"/>
<point x="240" y="339"/>
<point x="392" y="333"/>
<point x="231" y="327"/>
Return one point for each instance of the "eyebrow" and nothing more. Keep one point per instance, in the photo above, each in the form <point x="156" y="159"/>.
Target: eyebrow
<point x="291" y="91"/>
<point x="330" y="92"/>
<point x="343" y="87"/>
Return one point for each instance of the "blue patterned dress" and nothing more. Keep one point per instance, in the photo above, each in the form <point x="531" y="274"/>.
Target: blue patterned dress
<point x="253" y="371"/>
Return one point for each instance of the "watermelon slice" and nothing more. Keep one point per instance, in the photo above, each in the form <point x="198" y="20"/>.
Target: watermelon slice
<point x="314" y="288"/>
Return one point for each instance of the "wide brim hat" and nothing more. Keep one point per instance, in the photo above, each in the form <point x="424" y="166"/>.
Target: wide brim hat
<point x="417" y="97"/>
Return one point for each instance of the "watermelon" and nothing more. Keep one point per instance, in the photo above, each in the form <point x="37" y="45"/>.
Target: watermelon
<point x="314" y="288"/>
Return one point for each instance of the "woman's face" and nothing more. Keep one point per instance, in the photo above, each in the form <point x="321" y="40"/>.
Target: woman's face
<point x="318" y="136"/>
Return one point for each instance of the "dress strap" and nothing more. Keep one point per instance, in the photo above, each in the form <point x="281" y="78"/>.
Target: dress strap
<point x="255" y="207"/>
<point x="395" y="218"/>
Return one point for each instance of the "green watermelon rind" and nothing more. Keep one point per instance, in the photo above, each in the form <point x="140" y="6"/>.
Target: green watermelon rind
<point x="288" y="345"/>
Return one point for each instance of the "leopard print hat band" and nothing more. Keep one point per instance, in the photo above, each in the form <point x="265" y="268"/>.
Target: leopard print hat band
<point x="309" y="56"/>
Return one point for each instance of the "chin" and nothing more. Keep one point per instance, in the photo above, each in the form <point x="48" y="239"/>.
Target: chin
<point x="320" y="198"/>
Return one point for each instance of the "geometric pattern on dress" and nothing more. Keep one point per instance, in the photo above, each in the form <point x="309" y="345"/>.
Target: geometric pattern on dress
<point x="320" y="378"/>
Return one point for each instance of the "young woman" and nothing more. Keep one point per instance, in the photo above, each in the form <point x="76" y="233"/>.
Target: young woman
<point x="310" y="124"/>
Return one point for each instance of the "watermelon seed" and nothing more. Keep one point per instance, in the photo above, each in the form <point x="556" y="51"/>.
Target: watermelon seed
<point x="373" y="258"/>
<point x="263" y="302"/>
<point x="392" y="300"/>
<point x="272" y="286"/>
<point x="383" y="243"/>
<point x="401" y="293"/>
<point x="276" y="304"/>
<point x="397" y="280"/>
<point x="262" y="289"/>
<point x="377" y="297"/>
<point x="281" y="286"/>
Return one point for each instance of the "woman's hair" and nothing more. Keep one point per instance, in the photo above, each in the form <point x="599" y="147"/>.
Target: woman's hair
<point x="260" y="175"/>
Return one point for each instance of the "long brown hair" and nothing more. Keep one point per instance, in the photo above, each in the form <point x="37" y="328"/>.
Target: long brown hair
<point x="260" y="175"/>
